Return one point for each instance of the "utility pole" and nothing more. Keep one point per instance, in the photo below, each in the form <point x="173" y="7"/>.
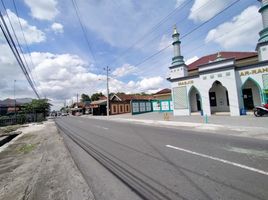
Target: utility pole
<point x="107" y="69"/>
<point x="15" y="101"/>
<point x="77" y="99"/>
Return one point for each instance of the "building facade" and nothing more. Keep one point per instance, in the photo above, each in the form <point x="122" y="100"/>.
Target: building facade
<point x="119" y="104"/>
<point x="224" y="82"/>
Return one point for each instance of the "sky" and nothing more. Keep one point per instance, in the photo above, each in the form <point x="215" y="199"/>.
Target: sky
<point x="65" y="58"/>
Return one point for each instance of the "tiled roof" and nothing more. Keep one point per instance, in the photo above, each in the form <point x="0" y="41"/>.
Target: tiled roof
<point x="164" y="91"/>
<point x="128" y="97"/>
<point x="225" y="55"/>
<point x="99" y="102"/>
<point x="102" y="97"/>
<point x="11" y="102"/>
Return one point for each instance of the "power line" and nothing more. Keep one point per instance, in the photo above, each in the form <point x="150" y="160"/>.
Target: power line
<point x="83" y="29"/>
<point x="220" y="36"/>
<point x="148" y="32"/>
<point x="15" y="52"/>
<point x="182" y="20"/>
<point x="185" y="35"/>
<point x="18" y="43"/>
<point x="182" y="6"/>
<point x="14" y="33"/>
<point x="26" y="43"/>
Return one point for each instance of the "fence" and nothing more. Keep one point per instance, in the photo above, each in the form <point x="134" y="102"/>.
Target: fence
<point x="21" y="119"/>
<point x="162" y="105"/>
<point x="141" y="106"/>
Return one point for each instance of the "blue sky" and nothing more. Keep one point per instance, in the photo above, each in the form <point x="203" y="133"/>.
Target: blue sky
<point x="121" y="33"/>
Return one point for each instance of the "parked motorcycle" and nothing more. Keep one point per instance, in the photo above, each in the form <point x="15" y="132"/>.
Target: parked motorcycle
<point x="261" y="110"/>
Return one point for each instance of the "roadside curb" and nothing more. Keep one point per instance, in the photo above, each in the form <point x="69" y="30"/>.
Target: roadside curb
<point x="249" y="132"/>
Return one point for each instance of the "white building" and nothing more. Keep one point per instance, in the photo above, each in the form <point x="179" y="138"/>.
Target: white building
<point x="228" y="82"/>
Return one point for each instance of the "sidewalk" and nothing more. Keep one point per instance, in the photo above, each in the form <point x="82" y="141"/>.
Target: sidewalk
<point x="246" y="126"/>
<point x="37" y="165"/>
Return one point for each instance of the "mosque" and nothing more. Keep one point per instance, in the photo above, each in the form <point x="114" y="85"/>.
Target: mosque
<point x="224" y="82"/>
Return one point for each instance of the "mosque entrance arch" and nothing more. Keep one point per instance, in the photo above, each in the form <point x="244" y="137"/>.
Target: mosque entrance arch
<point x="195" y="100"/>
<point x="218" y="98"/>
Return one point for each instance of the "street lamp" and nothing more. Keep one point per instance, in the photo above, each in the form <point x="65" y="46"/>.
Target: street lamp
<point x="107" y="69"/>
<point x="15" y="101"/>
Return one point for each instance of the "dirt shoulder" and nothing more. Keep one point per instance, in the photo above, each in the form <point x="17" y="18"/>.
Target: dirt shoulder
<point x="37" y="165"/>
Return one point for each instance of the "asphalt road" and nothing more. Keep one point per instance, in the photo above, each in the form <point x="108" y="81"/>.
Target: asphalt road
<point x="131" y="161"/>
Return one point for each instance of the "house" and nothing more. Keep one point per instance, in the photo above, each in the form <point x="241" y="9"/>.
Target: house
<point x="77" y="108"/>
<point x="99" y="107"/>
<point x="162" y="101"/>
<point x="164" y="94"/>
<point x="7" y="106"/>
<point x="223" y="82"/>
<point x="120" y="103"/>
<point x="126" y="103"/>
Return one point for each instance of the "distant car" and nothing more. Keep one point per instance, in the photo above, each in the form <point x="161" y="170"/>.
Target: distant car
<point x="64" y="114"/>
<point x="87" y="112"/>
<point x="78" y="114"/>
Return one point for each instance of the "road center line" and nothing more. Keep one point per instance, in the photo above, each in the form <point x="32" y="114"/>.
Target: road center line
<point x="102" y="127"/>
<point x="220" y="160"/>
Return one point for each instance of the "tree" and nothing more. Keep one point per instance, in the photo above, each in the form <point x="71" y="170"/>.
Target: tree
<point x="84" y="98"/>
<point x="37" y="106"/>
<point x="120" y="93"/>
<point x="96" y="96"/>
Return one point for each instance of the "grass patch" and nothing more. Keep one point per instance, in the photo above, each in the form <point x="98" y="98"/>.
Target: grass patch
<point x="8" y="129"/>
<point x="26" y="148"/>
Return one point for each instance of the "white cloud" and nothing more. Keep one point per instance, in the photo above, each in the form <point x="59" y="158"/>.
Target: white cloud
<point x="191" y="60"/>
<point x="57" y="28"/>
<point x="147" y="84"/>
<point x="126" y="69"/>
<point x="203" y="10"/>
<point x="11" y="71"/>
<point x="241" y="31"/>
<point x="43" y="9"/>
<point x="150" y="83"/>
<point x="31" y="33"/>
<point x="124" y="22"/>
<point x="61" y="76"/>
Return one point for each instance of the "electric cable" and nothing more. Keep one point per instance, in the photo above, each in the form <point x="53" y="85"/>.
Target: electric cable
<point x="185" y="35"/>
<point x="15" y="52"/>
<point x="83" y="29"/>
<point x="148" y="32"/>
<point x="26" y="43"/>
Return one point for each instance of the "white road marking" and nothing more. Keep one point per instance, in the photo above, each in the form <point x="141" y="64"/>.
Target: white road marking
<point x="101" y="127"/>
<point x="220" y="160"/>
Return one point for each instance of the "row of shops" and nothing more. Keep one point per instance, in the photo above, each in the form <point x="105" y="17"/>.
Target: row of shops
<point x="135" y="104"/>
<point x="126" y="103"/>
